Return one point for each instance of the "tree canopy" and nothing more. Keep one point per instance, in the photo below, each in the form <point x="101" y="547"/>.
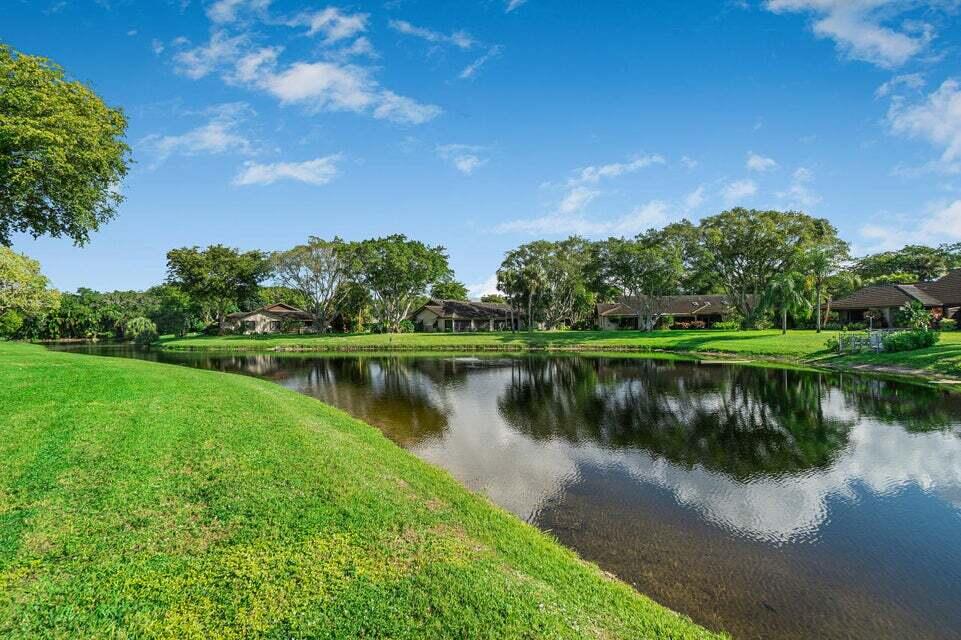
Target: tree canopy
<point x="317" y="270"/>
<point x="398" y="272"/>
<point x="449" y="290"/>
<point x="218" y="278"/>
<point x="23" y="288"/>
<point x="62" y="152"/>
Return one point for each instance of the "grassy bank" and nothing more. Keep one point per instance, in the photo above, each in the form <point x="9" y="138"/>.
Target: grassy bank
<point x="144" y="500"/>
<point x="797" y="346"/>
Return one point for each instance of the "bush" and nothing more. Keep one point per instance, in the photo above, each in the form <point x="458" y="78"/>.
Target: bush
<point x="914" y="315"/>
<point x="832" y="326"/>
<point x="910" y="340"/>
<point x="948" y="324"/>
<point x="406" y="326"/>
<point x="727" y="325"/>
<point x="856" y="326"/>
<point x="833" y="343"/>
<point x="693" y="324"/>
<point x="10" y="323"/>
<point x="141" y="330"/>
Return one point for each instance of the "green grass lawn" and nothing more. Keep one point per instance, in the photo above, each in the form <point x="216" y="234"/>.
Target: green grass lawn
<point x="806" y="346"/>
<point x="795" y="344"/>
<point x="145" y="500"/>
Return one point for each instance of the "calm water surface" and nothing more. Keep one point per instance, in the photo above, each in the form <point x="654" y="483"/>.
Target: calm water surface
<point x="765" y="502"/>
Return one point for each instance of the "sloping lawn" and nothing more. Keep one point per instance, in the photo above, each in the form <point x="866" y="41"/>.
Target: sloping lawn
<point x="942" y="358"/>
<point x="144" y="500"/>
<point x="797" y="344"/>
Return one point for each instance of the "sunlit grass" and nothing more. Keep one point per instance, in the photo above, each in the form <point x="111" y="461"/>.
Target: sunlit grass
<point x="146" y="500"/>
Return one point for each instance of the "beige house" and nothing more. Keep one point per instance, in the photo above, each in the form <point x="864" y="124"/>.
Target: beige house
<point x="941" y="297"/>
<point x="272" y="318"/>
<point x="457" y="315"/>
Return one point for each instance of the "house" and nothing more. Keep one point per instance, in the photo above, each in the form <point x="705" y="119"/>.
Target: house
<point x="941" y="297"/>
<point x="458" y="315"/>
<point x="272" y="318"/>
<point x="708" y="309"/>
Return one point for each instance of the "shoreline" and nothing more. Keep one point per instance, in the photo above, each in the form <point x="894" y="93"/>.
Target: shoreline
<point x="823" y="362"/>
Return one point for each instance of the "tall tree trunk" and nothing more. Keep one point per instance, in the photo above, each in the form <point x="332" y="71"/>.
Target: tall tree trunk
<point x="817" y="306"/>
<point x="783" y="320"/>
<point x="530" y="313"/>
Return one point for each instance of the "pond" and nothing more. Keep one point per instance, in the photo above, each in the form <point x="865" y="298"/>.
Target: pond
<point x="767" y="502"/>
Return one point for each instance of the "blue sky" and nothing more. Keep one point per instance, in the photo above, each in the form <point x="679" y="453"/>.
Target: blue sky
<point x="480" y="125"/>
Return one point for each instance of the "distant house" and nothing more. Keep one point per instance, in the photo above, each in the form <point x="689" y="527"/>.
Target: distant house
<point x="709" y="309"/>
<point x="457" y="316"/>
<point x="272" y="318"/>
<point x="942" y="297"/>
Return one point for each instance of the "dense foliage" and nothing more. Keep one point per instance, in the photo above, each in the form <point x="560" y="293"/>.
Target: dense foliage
<point x="910" y="340"/>
<point x="62" y="154"/>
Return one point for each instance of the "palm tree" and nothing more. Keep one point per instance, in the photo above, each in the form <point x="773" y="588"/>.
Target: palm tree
<point x="786" y="293"/>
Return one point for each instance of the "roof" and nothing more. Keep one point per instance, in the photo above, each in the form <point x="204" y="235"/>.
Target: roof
<point x="685" y="305"/>
<point x="278" y="311"/>
<point x="947" y="289"/>
<point x="466" y="310"/>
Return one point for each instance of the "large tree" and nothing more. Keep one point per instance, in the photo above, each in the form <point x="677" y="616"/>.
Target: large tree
<point x="219" y="278"/>
<point x="785" y="294"/>
<point x="318" y="270"/>
<point x="921" y="262"/>
<point x="747" y="248"/>
<point x="449" y="289"/>
<point x="821" y="261"/>
<point x="398" y="272"/>
<point x="23" y="288"/>
<point x="643" y="269"/>
<point x="522" y="277"/>
<point x="62" y="152"/>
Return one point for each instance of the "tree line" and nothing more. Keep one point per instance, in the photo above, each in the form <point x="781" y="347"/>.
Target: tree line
<point x="774" y="267"/>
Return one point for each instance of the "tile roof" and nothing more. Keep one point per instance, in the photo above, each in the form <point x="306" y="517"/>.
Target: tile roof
<point x="278" y="310"/>
<point x="946" y="289"/>
<point x="685" y="305"/>
<point x="466" y="310"/>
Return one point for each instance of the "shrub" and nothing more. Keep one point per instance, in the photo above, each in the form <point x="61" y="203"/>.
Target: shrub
<point x="727" y="325"/>
<point x="910" y="340"/>
<point x="949" y="324"/>
<point x="833" y="343"/>
<point x="141" y="330"/>
<point x="692" y="324"/>
<point x="10" y="323"/>
<point x="406" y="326"/>
<point x="666" y="322"/>
<point x="833" y="326"/>
<point x="856" y="326"/>
<point x="914" y="315"/>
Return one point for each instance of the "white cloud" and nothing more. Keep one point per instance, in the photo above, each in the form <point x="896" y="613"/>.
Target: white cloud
<point x="738" y="190"/>
<point x="940" y="222"/>
<point x="200" y="61"/>
<point x="471" y="70"/>
<point x="694" y="199"/>
<point x="576" y="199"/>
<point x="157" y="46"/>
<point x="799" y="192"/>
<point x="465" y="158"/>
<point x="937" y="119"/>
<point x="318" y="172"/>
<point x="404" y="110"/>
<point x="334" y="24"/>
<point x="759" y="163"/>
<point x="857" y="28"/>
<point x="689" y="163"/>
<point x="487" y="287"/>
<point x="459" y="39"/>
<point x="514" y="4"/>
<point x="218" y="135"/>
<point x="913" y="81"/>
<point x="594" y="174"/>
<point x="329" y="86"/>
<point x="644" y="217"/>
<point x="227" y="11"/>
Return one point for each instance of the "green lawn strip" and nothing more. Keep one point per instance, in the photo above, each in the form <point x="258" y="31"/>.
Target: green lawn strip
<point x="796" y="346"/>
<point x="145" y="500"/>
